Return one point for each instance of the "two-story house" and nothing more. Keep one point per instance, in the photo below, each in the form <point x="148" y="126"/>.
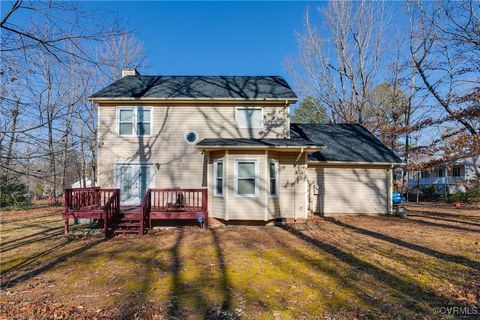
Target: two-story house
<point x="454" y="176"/>
<point x="232" y="135"/>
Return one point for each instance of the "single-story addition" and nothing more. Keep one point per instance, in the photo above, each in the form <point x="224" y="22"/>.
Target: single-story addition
<point x="223" y="148"/>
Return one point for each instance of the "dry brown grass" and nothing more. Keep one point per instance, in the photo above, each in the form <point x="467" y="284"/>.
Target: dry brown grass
<point x="349" y="267"/>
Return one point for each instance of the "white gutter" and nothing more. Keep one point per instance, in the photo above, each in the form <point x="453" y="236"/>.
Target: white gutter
<point x="313" y="162"/>
<point x="312" y="148"/>
<point x="186" y="99"/>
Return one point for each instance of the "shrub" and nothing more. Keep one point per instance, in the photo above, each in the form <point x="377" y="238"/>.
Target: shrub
<point x="472" y="194"/>
<point x="13" y="193"/>
<point x="456" y="197"/>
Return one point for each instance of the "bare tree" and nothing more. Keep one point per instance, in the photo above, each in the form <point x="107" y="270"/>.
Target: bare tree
<point x="122" y="51"/>
<point x="445" y="52"/>
<point x="340" y="70"/>
<point x="49" y="65"/>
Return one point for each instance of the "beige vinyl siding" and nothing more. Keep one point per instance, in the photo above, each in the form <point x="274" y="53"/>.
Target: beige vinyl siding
<point x="290" y="202"/>
<point x="348" y="190"/>
<point x="179" y="164"/>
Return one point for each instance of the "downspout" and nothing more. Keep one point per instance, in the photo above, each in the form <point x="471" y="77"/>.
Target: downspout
<point x="97" y="182"/>
<point x="287" y="115"/>
<point x="390" y="191"/>
<point x="295" y="166"/>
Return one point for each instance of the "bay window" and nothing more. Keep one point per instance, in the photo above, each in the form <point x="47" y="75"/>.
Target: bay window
<point x="273" y="177"/>
<point x="218" y="178"/>
<point x="246" y="178"/>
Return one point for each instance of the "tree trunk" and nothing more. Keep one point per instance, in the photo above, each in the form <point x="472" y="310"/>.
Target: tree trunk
<point x="12" y="138"/>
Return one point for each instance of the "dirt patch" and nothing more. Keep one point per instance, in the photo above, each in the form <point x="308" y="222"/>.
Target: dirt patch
<point x="349" y="267"/>
<point x="441" y="207"/>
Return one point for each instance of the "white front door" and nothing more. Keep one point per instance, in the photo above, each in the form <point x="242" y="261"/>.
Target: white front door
<point x="133" y="180"/>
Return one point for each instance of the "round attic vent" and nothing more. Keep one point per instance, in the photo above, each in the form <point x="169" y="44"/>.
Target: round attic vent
<point x="191" y="137"/>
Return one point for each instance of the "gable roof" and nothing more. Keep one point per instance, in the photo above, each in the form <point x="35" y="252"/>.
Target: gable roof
<point x="197" y="88"/>
<point x="344" y="143"/>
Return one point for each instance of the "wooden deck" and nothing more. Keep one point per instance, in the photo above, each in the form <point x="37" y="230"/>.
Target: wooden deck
<point x="158" y="204"/>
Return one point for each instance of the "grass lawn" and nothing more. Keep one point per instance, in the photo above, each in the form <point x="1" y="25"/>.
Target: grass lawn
<point x="349" y="267"/>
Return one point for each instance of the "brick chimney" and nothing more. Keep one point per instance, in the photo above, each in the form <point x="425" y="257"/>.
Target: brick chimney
<point x="129" y="72"/>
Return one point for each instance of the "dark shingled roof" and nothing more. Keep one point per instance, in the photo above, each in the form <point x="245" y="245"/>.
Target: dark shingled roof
<point x="199" y="87"/>
<point x="344" y="142"/>
<point x="296" y="142"/>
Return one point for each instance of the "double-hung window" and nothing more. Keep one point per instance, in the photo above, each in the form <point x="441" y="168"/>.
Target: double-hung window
<point x="218" y="178"/>
<point x="134" y="121"/>
<point x="246" y="178"/>
<point x="440" y="172"/>
<point x="125" y="124"/>
<point x="143" y="121"/>
<point x="425" y="174"/>
<point x="457" y="171"/>
<point x="249" y="117"/>
<point x="273" y="177"/>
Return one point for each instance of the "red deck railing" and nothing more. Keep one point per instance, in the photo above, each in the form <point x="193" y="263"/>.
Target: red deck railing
<point x="92" y="203"/>
<point x="173" y="203"/>
<point x="176" y="199"/>
<point x="82" y="199"/>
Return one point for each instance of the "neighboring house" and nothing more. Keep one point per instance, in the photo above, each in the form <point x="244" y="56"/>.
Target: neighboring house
<point x="87" y="183"/>
<point x="232" y="135"/>
<point x="453" y="175"/>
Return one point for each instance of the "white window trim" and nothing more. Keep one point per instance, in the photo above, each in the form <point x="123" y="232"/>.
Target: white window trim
<point x="215" y="178"/>
<point x="236" y="178"/>
<point x="249" y="108"/>
<point x="277" y="178"/>
<point x="134" y="121"/>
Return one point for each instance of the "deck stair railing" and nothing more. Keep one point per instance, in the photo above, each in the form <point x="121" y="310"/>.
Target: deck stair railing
<point x="111" y="208"/>
<point x="146" y="208"/>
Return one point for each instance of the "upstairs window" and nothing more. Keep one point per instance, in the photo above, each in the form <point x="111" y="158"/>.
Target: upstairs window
<point x="125" y="126"/>
<point x="425" y="174"/>
<point x="457" y="171"/>
<point x="143" y="121"/>
<point x="273" y="168"/>
<point x="218" y="178"/>
<point x="246" y="177"/>
<point x="440" y="172"/>
<point x="249" y="117"/>
<point x="134" y="121"/>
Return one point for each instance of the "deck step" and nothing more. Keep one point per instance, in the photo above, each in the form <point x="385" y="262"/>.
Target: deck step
<point x="130" y="218"/>
<point x="127" y="224"/>
<point x="124" y="231"/>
